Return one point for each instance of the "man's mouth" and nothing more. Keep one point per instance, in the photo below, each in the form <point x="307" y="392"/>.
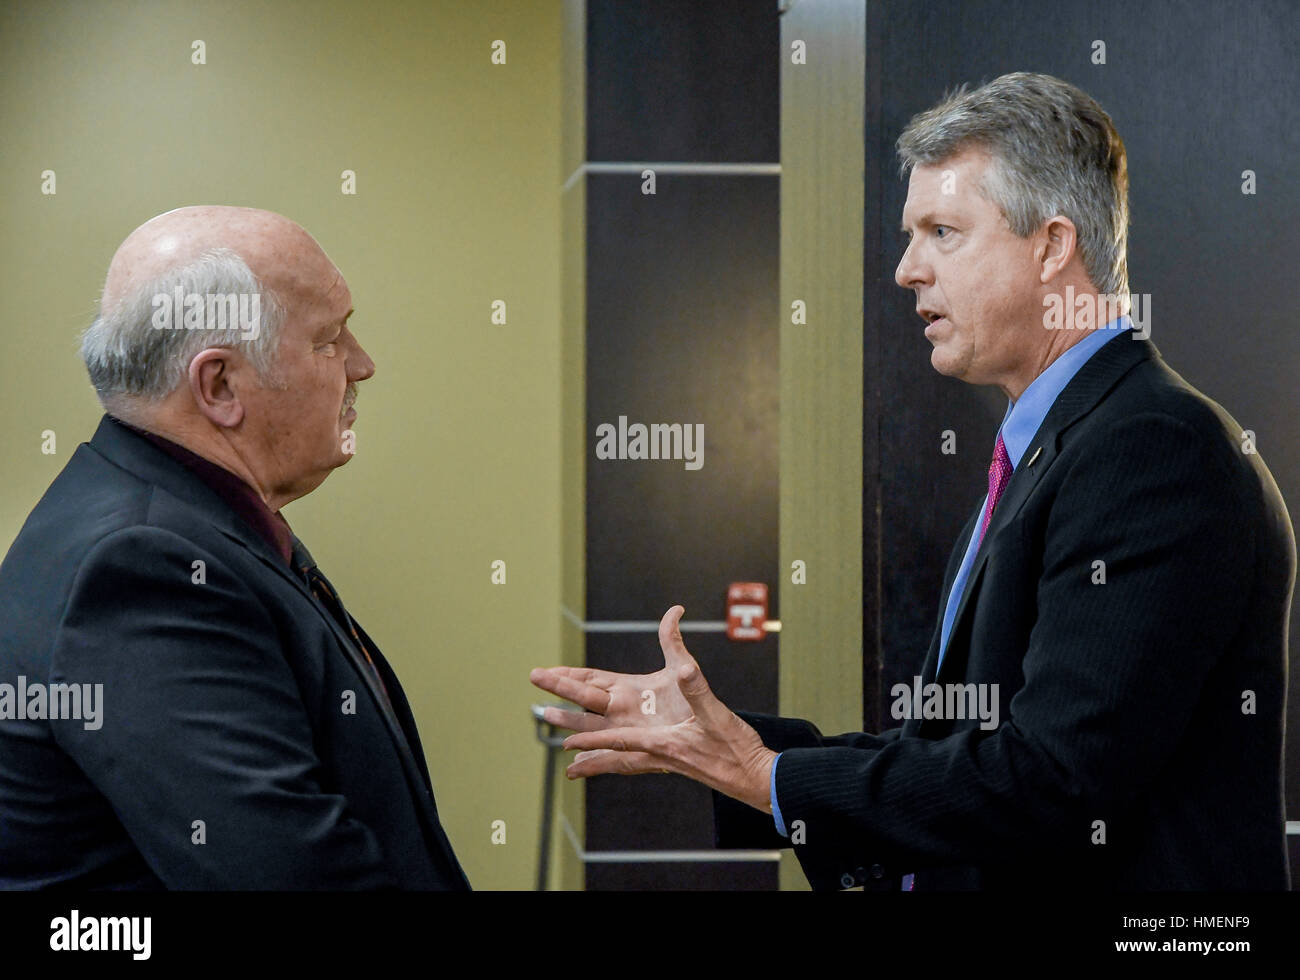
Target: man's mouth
<point x="931" y="318"/>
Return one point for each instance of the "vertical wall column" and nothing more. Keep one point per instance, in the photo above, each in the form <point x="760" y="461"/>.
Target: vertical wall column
<point x="823" y="517"/>
<point x="670" y="293"/>
<point x="567" y="870"/>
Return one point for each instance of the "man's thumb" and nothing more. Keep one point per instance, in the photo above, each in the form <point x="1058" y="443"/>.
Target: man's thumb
<point x="670" y="637"/>
<point x="691" y="682"/>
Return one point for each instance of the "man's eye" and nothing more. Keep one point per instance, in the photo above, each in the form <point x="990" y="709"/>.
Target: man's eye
<point x="939" y="228"/>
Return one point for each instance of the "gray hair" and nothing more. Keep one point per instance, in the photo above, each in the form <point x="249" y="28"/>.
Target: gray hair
<point x="130" y="359"/>
<point x="1054" y="151"/>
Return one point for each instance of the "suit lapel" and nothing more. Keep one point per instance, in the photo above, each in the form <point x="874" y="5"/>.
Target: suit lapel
<point x="949" y="577"/>
<point x="415" y="771"/>
<point x="1022" y="482"/>
<point x="349" y="648"/>
<point x="1089" y="385"/>
<point x="402" y="706"/>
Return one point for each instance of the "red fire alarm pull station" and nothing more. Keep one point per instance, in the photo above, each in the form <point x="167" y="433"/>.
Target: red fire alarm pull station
<point x="746" y="611"/>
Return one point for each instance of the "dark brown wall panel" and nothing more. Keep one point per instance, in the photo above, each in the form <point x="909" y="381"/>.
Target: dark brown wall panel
<point x="682" y="80"/>
<point x="681" y="328"/>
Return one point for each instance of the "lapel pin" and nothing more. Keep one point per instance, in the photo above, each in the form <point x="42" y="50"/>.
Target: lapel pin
<point x="1034" y="457"/>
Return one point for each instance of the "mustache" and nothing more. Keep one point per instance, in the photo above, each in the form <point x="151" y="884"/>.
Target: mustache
<point x="349" y="398"/>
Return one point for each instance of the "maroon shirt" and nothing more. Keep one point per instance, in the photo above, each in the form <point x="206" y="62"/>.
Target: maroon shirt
<point x="238" y="495"/>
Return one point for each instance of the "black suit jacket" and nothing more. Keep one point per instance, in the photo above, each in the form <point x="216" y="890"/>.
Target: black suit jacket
<point x="1146" y="712"/>
<point x="225" y="701"/>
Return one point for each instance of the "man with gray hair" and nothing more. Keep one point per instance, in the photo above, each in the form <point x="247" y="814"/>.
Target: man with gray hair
<point x="250" y="735"/>
<point x="1123" y="589"/>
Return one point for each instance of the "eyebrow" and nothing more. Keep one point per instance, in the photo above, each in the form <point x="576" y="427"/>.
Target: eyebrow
<point x="327" y="327"/>
<point x="925" y="219"/>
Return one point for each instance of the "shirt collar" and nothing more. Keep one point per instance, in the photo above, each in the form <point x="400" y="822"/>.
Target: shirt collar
<point x="1026" y="414"/>
<point x="238" y="495"/>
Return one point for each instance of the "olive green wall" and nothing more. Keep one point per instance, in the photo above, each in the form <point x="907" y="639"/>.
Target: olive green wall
<point x="458" y="171"/>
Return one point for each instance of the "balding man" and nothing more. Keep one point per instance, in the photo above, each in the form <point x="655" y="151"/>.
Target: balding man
<point x="190" y="704"/>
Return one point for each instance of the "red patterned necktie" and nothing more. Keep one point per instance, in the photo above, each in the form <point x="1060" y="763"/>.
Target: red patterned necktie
<point x="999" y="474"/>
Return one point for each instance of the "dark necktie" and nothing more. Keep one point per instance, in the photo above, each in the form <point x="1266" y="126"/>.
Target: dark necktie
<point x="329" y="599"/>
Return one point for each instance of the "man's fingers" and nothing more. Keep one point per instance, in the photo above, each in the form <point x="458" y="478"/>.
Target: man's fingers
<point x="617" y="739"/>
<point x="603" y="679"/>
<point x="591" y="755"/>
<point x="601" y="761"/>
<point x="578" y="721"/>
<point x="670" y="638"/>
<point x="559" y="680"/>
<point x="585" y="675"/>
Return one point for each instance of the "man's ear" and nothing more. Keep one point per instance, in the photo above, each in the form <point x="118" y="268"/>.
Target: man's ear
<point x="1056" y="248"/>
<point x="211" y="378"/>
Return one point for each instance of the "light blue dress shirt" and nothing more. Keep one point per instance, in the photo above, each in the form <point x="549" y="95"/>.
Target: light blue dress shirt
<point x="1019" y="426"/>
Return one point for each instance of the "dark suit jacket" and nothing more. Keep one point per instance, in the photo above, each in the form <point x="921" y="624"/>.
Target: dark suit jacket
<point x="223" y="702"/>
<point x="1149" y="708"/>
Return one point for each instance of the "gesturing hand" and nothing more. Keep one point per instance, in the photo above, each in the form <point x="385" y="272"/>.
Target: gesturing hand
<point x="690" y="732"/>
<point x="621" y="700"/>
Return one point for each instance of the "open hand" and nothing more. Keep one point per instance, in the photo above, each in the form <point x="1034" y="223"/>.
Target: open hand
<point x="617" y="700"/>
<point x="690" y="731"/>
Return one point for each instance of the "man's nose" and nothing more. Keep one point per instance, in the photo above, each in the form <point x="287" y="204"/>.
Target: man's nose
<point x="910" y="272"/>
<point x="360" y="366"/>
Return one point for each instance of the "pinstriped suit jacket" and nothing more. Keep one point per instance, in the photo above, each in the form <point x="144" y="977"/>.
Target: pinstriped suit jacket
<point x="1140" y="744"/>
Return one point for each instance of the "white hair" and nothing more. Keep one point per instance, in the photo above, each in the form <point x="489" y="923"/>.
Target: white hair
<point x="131" y="361"/>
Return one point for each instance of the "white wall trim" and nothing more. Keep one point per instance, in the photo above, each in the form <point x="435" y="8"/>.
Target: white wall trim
<point x="652" y="625"/>
<point x="667" y="167"/>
